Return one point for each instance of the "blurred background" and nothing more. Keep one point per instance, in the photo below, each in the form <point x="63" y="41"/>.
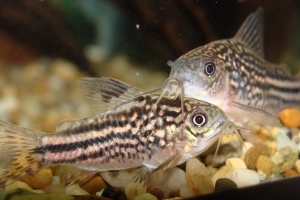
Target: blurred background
<point x="46" y="46"/>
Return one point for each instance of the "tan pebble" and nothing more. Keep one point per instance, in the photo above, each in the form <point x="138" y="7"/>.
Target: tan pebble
<point x="283" y="159"/>
<point x="145" y="196"/>
<point x="18" y="184"/>
<point x="290" y="173"/>
<point x="75" y="190"/>
<point x="290" y="117"/>
<point x="94" y="185"/>
<point x="39" y="179"/>
<point x="297" y="166"/>
<point x="198" y="177"/>
<point x="264" y="164"/>
<point x="254" y="152"/>
<point x="221" y="173"/>
<point x="134" y="189"/>
<point x="235" y="163"/>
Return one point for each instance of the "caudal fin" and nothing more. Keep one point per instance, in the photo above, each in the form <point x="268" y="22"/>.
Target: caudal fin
<point x="17" y="155"/>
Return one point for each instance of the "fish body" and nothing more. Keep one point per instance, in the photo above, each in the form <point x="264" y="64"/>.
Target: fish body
<point x="233" y="74"/>
<point x="137" y="132"/>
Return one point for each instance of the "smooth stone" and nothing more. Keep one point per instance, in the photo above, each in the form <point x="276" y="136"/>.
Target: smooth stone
<point x="254" y="152"/>
<point x="228" y="150"/>
<point x="146" y="196"/>
<point x="244" y="177"/>
<point x="108" y="192"/>
<point x="221" y="173"/>
<point x="283" y="159"/>
<point x="290" y="117"/>
<point x="224" y="184"/>
<point x="94" y="185"/>
<point x="173" y="179"/>
<point x="75" y="190"/>
<point x="187" y="192"/>
<point x="297" y="166"/>
<point x="235" y="163"/>
<point x="39" y="179"/>
<point x="117" y="179"/>
<point x="290" y="173"/>
<point x="198" y="177"/>
<point x="264" y="164"/>
<point x="18" y="184"/>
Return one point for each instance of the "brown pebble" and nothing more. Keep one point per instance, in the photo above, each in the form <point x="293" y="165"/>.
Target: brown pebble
<point x="158" y="193"/>
<point x="290" y="173"/>
<point x="290" y="117"/>
<point x="254" y="152"/>
<point x="94" y="185"/>
<point x="264" y="164"/>
<point x="39" y="179"/>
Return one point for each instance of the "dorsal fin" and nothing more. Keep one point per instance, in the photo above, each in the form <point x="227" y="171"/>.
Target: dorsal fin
<point x="64" y="124"/>
<point x="251" y="32"/>
<point x="104" y="94"/>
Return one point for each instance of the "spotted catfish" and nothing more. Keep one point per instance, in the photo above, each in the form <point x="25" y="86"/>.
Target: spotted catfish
<point x="233" y="74"/>
<point x="130" y="130"/>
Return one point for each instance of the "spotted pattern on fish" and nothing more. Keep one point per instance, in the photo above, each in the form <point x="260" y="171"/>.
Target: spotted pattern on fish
<point x="117" y="137"/>
<point x="242" y="74"/>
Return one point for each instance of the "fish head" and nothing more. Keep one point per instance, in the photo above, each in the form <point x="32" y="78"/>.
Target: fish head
<point x="202" y="73"/>
<point x="204" y="124"/>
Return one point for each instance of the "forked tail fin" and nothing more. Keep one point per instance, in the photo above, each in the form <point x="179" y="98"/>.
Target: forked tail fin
<point x="17" y="154"/>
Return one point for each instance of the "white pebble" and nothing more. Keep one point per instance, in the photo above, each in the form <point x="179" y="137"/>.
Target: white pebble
<point x="173" y="179"/>
<point x="244" y="177"/>
<point x="118" y="179"/>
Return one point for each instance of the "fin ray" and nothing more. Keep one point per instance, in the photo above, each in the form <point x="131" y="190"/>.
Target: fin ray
<point x="251" y="32"/>
<point x="105" y="93"/>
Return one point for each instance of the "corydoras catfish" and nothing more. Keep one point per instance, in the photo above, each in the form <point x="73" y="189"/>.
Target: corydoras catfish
<point x="129" y="130"/>
<point x="233" y="74"/>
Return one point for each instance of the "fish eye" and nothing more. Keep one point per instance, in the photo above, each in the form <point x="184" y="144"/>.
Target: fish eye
<point x="198" y="119"/>
<point x="209" y="68"/>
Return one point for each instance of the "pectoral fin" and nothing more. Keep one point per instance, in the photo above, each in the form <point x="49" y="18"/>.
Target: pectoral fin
<point x="253" y="116"/>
